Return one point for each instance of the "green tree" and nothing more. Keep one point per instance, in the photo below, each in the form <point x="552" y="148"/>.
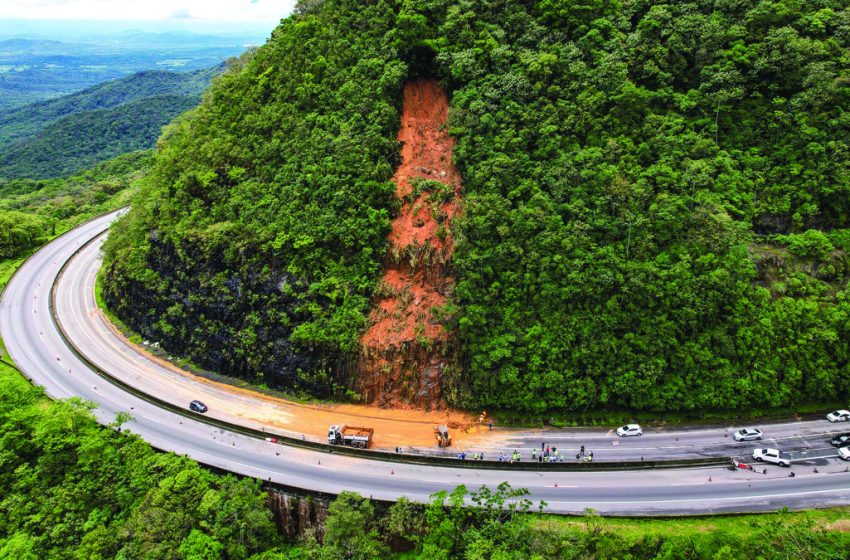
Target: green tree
<point x="351" y="530"/>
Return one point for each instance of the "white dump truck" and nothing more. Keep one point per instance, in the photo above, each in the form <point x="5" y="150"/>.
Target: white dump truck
<point x="355" y="436"/>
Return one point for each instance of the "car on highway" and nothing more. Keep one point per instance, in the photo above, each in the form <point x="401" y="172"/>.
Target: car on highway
<point x="629" y="430"/>
<point x="198" y="406"/>
<point x="842" y="440"/>
<point x="747" y="434"/>
<point x="839" y="416"/>
<point x="772" y="456"/>
<point x="844" y="453"/>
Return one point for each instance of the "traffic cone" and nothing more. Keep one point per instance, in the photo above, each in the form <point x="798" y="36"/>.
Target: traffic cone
<point x="392" y="471"/>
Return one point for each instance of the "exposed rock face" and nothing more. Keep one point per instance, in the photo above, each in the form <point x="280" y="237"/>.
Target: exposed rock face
<point x="297" y="516"/>
<point x="205" y="317"/>
<point x="406" y="349"/>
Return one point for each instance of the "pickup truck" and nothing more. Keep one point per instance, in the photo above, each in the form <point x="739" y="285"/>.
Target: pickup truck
<point x="355" y="436"/>
<point x="772" y="456"/>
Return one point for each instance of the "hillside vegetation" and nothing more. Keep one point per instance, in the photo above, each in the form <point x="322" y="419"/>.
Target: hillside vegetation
<point x="32" y="212"/>
<point x="71" y="133"/>
<point x="73" y="489"/>
<point x="655" y="216"/>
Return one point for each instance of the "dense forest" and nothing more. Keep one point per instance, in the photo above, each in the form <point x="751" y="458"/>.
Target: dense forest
<point x="66" y="135"/>
<point x="31" y="212"/>
<point x="81" y="140"/>
<point x="655" y="216"/>
<point x="72" y="489"/>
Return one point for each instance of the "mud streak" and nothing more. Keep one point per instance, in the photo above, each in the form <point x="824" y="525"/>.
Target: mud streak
<point x="404" y="347"/>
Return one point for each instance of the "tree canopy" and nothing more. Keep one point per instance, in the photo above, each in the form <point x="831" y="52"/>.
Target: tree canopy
<point x="656" y="201"/>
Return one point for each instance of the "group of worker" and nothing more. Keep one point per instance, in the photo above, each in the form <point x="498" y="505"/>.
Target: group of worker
<point x="548" y="455"/>
<point x="475" y="456"/>
<point x="552" y="455"/>
<point x="515" y="457"/>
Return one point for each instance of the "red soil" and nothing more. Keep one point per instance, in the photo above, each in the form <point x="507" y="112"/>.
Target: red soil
<point x="403" y="346"/>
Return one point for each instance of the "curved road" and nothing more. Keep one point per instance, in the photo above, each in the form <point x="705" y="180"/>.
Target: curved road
<point x="34" y="342"/>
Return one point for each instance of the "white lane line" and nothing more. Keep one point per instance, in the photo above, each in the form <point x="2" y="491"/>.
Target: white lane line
<point x="707" y="498"/>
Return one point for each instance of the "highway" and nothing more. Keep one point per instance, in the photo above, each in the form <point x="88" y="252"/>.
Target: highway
<point x="35" y="343"/>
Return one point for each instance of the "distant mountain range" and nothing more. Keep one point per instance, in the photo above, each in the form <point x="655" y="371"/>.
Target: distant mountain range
<point x="39" y="68"/>
<point x="139" y="41"/>
<point x="63" y="135"/>
<point x="40" y="47"/>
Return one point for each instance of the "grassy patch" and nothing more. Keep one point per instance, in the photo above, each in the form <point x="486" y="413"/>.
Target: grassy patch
<point x="8" y="268"/>
<point x="824" y="519"/>
<point x="12" y="379"/>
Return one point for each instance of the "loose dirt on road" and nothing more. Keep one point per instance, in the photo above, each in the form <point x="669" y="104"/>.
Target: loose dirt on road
<point x="403" y="428"/>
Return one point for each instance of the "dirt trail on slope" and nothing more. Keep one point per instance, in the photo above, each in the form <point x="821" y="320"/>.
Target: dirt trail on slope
<point x="405" y="350"/>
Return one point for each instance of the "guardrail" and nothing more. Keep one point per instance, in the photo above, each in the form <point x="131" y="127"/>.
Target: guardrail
<point x="441" y="461"/>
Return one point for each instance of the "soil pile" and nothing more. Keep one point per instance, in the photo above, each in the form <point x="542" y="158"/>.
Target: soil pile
<point x="405" y="349"/>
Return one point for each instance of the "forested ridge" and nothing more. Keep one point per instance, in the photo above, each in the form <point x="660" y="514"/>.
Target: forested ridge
<point x="66" y="135"/>
<point x="81" y="140"/>
<point x="655" y="201"/>
<point x="29" y="119"/>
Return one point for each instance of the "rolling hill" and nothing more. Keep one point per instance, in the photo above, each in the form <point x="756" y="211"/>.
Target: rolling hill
<point x="70" y="58"/>
<point x="73" y="132"/>
<point x="30" y="119"/>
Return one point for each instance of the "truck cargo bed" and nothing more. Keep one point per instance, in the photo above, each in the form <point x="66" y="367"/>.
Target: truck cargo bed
<point x="357" y="431"/>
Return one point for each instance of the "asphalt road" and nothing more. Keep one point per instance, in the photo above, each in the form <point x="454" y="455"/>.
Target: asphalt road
<point x="34" y="342"/>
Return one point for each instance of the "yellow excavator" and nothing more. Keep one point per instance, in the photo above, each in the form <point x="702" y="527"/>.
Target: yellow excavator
<point x="442" y="435"/>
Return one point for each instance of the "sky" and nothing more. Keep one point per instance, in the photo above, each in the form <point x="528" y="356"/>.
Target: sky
<point x="200" y="11"/>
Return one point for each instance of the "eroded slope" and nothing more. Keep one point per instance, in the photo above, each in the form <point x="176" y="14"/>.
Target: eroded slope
<point x="405" y="347"/>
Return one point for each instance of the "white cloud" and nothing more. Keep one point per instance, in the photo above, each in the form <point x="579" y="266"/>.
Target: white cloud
<point x="180" y="13"/>
<point x="210" y="10"/>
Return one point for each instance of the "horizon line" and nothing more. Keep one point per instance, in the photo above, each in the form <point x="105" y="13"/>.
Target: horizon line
<point x="181" y="19"/>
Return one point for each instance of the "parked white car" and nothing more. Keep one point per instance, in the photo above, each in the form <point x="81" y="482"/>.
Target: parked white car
<point x="844" y="453"/>
<point x="747" y="434"/>
<point x="629" y="430"/>
<point x="772" y="456"/>
<point x="839" y="416"/>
